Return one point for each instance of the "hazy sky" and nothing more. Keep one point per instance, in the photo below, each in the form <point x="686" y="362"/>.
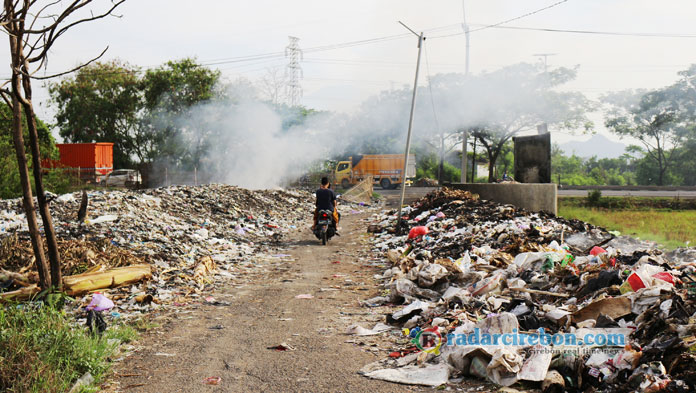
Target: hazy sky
<point x="151" y="32"/>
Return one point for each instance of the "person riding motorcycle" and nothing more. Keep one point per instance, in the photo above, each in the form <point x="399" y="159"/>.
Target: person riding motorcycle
<point x="325" y="200"/>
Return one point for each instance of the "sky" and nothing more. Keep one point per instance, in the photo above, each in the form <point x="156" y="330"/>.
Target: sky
<point x="225" y="34"/>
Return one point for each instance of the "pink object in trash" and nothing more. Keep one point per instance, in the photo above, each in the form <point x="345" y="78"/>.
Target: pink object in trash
<point x="100" y="303"/>
<point x="664" y="276"/>
<point x="596" y="250"/>
<point x="417" y="231"/>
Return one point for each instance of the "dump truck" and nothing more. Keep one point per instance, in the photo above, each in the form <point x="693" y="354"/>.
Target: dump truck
<point x="385" y="169"/>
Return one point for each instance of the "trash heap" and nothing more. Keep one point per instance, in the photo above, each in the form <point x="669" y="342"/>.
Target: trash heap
<point x="472" y="282"/>
<point x="185" y="236"/>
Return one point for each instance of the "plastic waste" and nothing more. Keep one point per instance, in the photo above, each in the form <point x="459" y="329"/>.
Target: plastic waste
<point x="504" y="366"/>
<point x="430" y="375"/>
<point x="417" y="232"/>
<point x="100" y="303"/>
<point x="485" y="286"/>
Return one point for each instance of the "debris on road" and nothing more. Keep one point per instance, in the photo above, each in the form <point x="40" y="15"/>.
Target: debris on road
<point x="490" y="291"/>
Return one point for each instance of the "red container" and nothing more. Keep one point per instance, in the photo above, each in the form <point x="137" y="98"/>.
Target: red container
<point x="92" y="159"/>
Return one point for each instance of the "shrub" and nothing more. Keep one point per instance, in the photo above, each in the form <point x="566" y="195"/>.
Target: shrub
<point x="42" y="350"/>
<point x="594" y="197"/>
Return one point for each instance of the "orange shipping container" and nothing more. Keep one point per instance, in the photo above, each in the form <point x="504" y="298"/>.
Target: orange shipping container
<point x="93" y="159"/>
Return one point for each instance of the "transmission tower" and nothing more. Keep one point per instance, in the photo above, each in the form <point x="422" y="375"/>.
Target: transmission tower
<point x="293" y="72"/>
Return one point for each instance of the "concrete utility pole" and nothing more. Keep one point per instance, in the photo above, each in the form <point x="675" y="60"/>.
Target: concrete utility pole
<point x="465" y="26"/>
<point x="293" y="71"/>
<point x="546" y="57"/>
<point x="421" y="38"/>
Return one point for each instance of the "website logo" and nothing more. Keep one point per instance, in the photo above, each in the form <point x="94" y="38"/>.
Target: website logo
<point x="427" y="340"/>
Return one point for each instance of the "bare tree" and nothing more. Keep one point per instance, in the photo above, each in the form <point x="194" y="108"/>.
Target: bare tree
<point x="33" y="27"/>
<point x="272" y="84"/>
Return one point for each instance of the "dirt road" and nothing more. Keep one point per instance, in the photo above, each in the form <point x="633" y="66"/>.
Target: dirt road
<point x="231" y="342"/>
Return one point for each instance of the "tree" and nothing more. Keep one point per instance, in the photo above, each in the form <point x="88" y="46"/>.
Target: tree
<point x="495" y="106"/>
<point x="272" y="84"/>
<point x="169" y="92"/>
<point x="654" y="118"/>
<point x="100" y="104"/>
<point x="33" y="28"/>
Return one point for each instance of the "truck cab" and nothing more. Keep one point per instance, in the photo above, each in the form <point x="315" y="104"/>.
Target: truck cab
<point x="344" y="173"/>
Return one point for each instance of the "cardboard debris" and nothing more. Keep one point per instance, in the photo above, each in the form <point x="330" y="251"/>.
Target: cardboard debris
<point x="612" y="307"/>
<point x="204" y="268"/>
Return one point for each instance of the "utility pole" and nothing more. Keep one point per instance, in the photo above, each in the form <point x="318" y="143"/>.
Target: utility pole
<point x="293" y="71"/>
<point x="465" y="26"/>
<point x="545" y="56"/>
<point x="473" y="164"/>
<point x="421" y="39"/>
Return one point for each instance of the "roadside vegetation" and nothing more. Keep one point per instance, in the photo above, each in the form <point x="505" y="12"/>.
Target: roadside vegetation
<point x="43" y="350"/>
<point x="667" y="221"/>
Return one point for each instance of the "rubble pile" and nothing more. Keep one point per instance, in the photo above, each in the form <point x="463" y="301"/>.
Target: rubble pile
<point x="496" y="293"/>
<point x="186" y="234"/>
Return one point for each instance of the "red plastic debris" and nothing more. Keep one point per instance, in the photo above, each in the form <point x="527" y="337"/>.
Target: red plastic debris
<point x="636" y="282"/>
<point x="417" y="231"/>
<point x="596" y="250"/>
<point x="665" y="276"/>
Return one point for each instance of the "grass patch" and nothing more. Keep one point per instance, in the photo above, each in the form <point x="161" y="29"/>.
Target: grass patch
<point x="596" y="199"/>
<point x="671" y="228"/>
<point x="42" y="350"/>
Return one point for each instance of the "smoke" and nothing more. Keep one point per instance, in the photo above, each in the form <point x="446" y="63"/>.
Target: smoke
<point x="238" y="139"/>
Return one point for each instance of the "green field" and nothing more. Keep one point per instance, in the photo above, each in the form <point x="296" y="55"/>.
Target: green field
<point x="670" y="228"/>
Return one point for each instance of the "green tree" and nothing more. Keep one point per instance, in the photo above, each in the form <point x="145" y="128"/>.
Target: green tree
<point x="169" y="92"/>
<point x="100" y="103"/>
<point x="10" y="186"/>
<point x="659" y="119"/>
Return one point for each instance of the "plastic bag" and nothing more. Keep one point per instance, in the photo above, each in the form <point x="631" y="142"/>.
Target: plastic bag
<point x="100" y="303"/>
<point x="417" y="231"/>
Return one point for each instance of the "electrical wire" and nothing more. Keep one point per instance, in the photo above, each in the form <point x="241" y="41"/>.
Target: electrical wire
<point x="505" y="21"/>
<point x="615" y="33"/>
<point x="430" y="87"/>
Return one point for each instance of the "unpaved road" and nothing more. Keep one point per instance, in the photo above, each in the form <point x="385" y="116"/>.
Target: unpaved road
<point x="231" y="342"/>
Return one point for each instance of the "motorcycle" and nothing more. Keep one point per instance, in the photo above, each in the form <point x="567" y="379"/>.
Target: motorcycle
<point x="326" y="227"/>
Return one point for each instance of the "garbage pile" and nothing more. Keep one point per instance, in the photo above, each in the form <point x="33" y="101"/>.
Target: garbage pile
<point x="490" y="292"/>
<point x="186" y="235"/>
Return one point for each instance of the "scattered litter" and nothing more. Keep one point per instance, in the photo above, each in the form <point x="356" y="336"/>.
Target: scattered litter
<point x="304" y="296"/>
<point x="282" y="347"/>
<point x="361" y="331"/>
<point x="212" y="380"/>
<point x="601" y="312"/>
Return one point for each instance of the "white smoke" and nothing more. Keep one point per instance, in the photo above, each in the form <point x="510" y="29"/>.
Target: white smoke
<point x="243" y="141"/>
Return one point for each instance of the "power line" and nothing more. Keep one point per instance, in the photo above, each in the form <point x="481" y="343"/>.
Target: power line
<point x="615" y="33"/>
<point x="430" y="88"/>
<point x="505" y="21"/>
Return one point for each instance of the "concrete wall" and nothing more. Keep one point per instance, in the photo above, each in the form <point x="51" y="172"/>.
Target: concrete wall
<point x="530" y="196"/>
